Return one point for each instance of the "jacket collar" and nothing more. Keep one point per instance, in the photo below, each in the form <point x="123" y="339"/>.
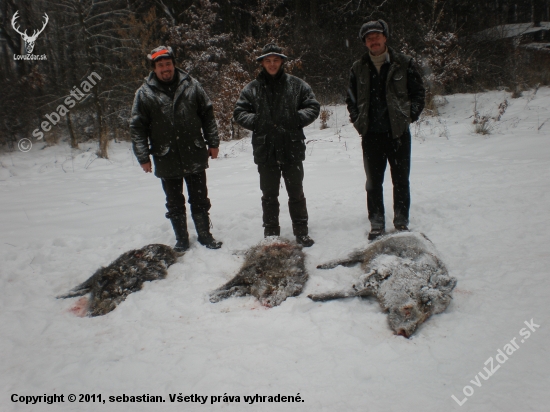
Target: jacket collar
<point x="390" y="56"/>
<point x="265" y="78"/>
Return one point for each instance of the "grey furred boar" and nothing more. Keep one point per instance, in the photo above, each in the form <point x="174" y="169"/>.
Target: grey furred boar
<point x="110" y="285"/>
<point x="272" y="271"/>
<point x="403" y="271"/>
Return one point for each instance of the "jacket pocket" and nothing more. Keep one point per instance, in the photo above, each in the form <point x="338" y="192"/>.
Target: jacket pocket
<point x="297" y="150"/>
<point x="200" y="154"/>
<point x="399" y="81"/>
<point x="403" y="108"/>
<point x="160" y="151"/>
<point x="361" y="123"/>
<point x="200" y="143"/>
<point x="259" y="148"/>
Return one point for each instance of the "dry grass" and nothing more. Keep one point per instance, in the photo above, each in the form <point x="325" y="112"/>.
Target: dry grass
<point x="324" y="117"/>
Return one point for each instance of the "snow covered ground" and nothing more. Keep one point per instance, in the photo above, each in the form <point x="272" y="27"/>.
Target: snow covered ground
<point x="483" y="200"/>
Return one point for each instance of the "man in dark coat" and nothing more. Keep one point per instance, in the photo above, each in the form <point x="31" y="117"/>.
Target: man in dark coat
<point x="276" y="106"/>
<point x="173" y="121"/>
<point x="385" y="95"/>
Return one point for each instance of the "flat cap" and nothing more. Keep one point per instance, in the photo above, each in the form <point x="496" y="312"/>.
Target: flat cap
<point x="374" y="26"/>
<point x="269" y="50"/>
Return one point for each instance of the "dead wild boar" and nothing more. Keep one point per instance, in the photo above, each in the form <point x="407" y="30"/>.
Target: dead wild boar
<point x="110" y="285"/>
<point x="403" y="271"/>
<point x="272" y="271"/>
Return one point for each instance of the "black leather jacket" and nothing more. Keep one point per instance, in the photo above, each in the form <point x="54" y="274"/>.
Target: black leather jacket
<point x="174" y="131"/>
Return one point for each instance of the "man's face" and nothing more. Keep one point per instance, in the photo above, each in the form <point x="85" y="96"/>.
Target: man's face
<point x="272" y="64"/>
<point x="164" y="69"/>
<point x="376" y="43"/>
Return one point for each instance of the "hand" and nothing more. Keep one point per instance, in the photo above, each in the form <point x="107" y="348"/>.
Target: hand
<point x="146" y="167"/>
<point x="213" y="152"/>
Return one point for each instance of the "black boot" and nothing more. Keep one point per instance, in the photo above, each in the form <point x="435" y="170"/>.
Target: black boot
<point x="202" y="224"/>
<point x="304" y="240"/>
<point x="375" y="233"/>
<point x="179" y="223"/>
<point x="301" y="233"/>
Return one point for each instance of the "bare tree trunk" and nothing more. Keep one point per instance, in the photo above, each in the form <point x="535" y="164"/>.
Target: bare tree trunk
<point x="103" y="138"/>
<point x="74" y="143"/>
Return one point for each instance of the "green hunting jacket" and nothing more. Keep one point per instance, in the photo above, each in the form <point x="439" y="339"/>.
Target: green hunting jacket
<point x="405" y="93"/>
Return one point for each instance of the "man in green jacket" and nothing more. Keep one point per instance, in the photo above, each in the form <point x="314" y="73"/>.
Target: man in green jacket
<point x="276" y="106"/>
<point x="173" y="121"/>
<point x="385" y="95"/>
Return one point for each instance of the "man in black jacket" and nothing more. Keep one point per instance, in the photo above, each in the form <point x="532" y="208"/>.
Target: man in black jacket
<point x="173" y="120"/>
<point x="385" y="95"/>
<point x="276" y="106"/>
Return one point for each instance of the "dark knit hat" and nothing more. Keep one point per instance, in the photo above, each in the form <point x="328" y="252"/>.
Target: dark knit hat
<point x="375" y="26"/>
<point x="269" y="50"/>
<point x="161" y="52"/>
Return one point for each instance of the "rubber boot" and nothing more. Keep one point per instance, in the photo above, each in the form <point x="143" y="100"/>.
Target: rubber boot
<point x="272" y="231"/>
<point x="202" y="225"/>
<point x="179" y="223"/>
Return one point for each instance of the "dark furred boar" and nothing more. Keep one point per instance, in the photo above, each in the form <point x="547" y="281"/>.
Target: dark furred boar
<point x="110" y="285"/>
<point x="272" y="271"/>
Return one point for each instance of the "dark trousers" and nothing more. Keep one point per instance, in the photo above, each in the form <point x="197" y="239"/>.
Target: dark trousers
<point x="270" y="180"/>
<point x="378" y="150"/>
<point x="197" y="194"/>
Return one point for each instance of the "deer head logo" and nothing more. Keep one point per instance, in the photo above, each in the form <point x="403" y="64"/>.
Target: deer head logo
<point x="29" y="40"/>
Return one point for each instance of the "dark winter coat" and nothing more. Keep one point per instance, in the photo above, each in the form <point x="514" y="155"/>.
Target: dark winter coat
<point x="276" y="110"/>
<point x="404" y="93"/>
<point x="175" y="131"/>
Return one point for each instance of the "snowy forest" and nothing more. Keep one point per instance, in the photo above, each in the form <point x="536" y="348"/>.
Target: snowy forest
<point x="461" y="45"/>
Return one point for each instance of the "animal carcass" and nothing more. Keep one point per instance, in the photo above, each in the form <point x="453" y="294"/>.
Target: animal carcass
<point x="110" y="285"/>
<point x="272" y="271"/>
<point x="403" y="271"/>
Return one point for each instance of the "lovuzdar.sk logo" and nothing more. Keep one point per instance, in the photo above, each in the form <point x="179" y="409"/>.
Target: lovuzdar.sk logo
<point x="29" y="40"/>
